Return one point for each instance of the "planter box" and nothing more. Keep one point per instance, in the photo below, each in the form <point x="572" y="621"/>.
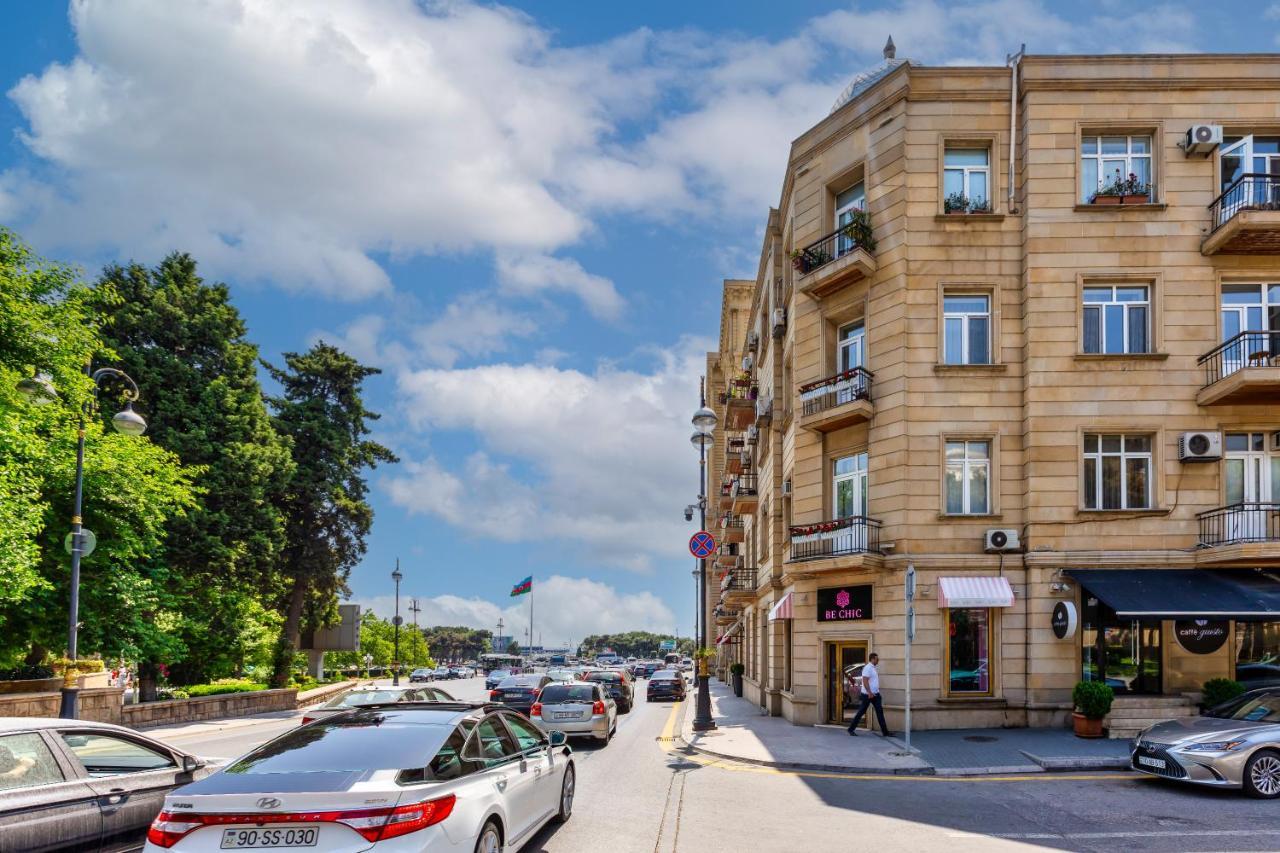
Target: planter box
<point x="94" y="679"/>
<point x="31" y="685"/>
<point x="1122" y="199"/>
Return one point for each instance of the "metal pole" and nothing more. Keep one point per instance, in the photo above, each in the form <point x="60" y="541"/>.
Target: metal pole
<point x="70" y="691"/>
<point x="395" y="663"/>
<point x="702" y="721"/>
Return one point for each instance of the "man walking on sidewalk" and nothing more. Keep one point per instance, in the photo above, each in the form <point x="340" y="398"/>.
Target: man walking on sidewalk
<point x="870" y="696"/>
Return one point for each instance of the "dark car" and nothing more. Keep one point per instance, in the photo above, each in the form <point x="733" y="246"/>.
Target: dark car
<point x="77" y="785"/>
<point x="519" y="692"/>
<point x="618" y="683"/>
<point x="666" y="685"/>
<point x="494" y="678"/>
<point x="645" y="668"/>
<point x="422" y="675"/>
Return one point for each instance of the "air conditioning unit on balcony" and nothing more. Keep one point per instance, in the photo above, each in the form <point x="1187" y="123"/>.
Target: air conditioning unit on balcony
<point x="779" y="322"/>
<point x="753" y="340"/>
<point x="1002" y="540"/>
<point x="747" y="363"/>
<point x="1202" y="139"/>
<point x="753" y="434"/>
<point x="1200" y="447"/>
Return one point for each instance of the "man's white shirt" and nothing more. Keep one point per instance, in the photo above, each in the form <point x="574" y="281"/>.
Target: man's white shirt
<point x="872" y="679"/>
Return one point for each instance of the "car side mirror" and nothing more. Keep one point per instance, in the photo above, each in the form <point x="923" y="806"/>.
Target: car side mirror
<point x="559" y="738"/>
<point x="190" y="763"/>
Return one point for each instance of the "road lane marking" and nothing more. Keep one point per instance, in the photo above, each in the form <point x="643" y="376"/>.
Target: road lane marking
<point x="1084" y="836"/>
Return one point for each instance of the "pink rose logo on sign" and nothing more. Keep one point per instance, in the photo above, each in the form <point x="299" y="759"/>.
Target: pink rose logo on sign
<point x="842" y="599"/>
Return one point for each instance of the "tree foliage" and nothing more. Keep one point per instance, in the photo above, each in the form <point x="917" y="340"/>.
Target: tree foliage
<point x="456" y="643"/>
<point x="377" y="639"/>
<point x="632" y="644"/>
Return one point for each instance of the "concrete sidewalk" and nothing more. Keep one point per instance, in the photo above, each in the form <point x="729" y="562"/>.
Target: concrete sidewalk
<point x="743" y="734"/>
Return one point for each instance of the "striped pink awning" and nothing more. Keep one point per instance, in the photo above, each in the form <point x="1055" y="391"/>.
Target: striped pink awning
<point x="975" y="592"/>
<point x="781" y="610"/>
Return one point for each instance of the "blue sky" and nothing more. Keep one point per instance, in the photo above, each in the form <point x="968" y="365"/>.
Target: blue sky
<point x="521" y="213"/>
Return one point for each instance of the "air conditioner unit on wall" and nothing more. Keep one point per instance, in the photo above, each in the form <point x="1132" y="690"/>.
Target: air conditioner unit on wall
<point x="786" y="486"/>
<point x="779" y="322"/>
<point x="1200" y="447"/>
<point x="998" y="540"/>
<point x="1202" y="139"/>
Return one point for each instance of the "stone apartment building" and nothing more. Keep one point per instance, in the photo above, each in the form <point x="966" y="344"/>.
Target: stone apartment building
<point x="1016" y="333"/>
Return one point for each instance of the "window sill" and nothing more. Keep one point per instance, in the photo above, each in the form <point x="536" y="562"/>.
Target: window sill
<point x="962" y="369"/>
<point x="950" y="516"/>
<point x="1122" y="356"/>
<point x="1119" y="513"/>
<point x="968" y="217"/>
<point x="1116" y="208"/>
<point x="975" y="699"/>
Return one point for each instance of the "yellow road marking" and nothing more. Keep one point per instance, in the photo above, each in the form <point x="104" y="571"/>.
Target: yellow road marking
<point x="667" y="741"/>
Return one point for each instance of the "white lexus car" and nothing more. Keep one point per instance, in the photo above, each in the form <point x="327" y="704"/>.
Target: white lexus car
<point x="423" y="777"/>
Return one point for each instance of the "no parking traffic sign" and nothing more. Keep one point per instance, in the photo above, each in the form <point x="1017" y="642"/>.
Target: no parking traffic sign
<point x="702" y="544"/>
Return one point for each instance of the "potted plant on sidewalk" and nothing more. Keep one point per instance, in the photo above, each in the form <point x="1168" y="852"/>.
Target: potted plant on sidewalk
<point x="736" y="671"/>
<point x="1092" y="700"/>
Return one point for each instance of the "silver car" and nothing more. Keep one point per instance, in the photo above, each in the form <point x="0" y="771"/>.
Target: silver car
<point x="1235" y="745"/>
<point x="582" y="709"/>
<point x="373" y="695"/>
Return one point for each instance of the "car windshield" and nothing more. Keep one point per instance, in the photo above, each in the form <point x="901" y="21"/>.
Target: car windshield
<point x="1262" y="708"/>
<point x="364" y="697"/>
<point x="568" y="694"/>
<point x="363" y="742"/>
<point x="500" y="673"/>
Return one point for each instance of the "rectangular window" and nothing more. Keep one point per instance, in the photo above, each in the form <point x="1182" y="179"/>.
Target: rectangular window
<point x="1117" y="319"/>
<point x="969" y="651"/>
<point x="1257" y="650"/>
<point x="850" y="485"/>
<point x="1117" y="471"/>
<point x="968" y="477"/>
<point x="1115" y="165"/>
<point x="30" y="762"/>
<point x="966" y="178"/>
<point x="966" y="329"/>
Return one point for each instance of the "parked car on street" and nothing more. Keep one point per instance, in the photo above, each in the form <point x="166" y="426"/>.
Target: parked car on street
<point x="360" y="696"/>
<point x="519" y="692"/>
<point x="443" y="673"/>
<point x="422" y="674"/>
<point x="577" y="709"/>
<point x="78" y="785"/>
<point x="398" y="777"/>
<point x="1234" y="745"/>
<point x="617" y="683"/>
<point x="462" y="671"/>
<point x="665" y="685"/>
<point x="494" y="678"/>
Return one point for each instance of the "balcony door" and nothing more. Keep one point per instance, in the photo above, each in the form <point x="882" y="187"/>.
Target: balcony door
<point x="1250" y="308"/>
<point x="1249" y="475"/>
<point x="852" y="199"/>
<point x="850" y="493"/>
<point x="852" y="344"/>
<point x="1248" y="155"/>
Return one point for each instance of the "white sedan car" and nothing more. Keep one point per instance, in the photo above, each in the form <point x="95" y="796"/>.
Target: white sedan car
<point x="387" y="779"/>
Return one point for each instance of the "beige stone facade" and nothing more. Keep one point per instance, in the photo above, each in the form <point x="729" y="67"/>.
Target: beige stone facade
<point x="1049" y="346"/>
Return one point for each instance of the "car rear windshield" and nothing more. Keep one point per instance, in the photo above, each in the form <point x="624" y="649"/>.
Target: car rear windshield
<point x="664" y="675"/>
<point x="604" y="676"/>
<point x="362" y="742"/>
<point x="500" y="673"/>
<point x="523" y="682"/>
<point x="554" y="693"/>
<point x="364" y="697"/>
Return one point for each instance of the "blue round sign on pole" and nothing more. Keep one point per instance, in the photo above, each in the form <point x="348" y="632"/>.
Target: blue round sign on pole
<point x="702" y="544"/>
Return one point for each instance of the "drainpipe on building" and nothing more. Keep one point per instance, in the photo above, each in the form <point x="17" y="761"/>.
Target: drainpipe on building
<point x="1013" y="60"/>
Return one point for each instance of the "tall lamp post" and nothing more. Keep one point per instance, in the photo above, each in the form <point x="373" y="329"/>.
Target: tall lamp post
<point x="395" y="664"/>
<point x="704" y="424"/>
<point x="39" y="390"/>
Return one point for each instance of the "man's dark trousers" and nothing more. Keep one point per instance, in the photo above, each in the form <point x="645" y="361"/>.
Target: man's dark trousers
<point x="862" y="709"/>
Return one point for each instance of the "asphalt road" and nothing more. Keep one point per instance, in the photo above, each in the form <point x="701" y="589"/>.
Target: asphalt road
<point x="642" y="794"/>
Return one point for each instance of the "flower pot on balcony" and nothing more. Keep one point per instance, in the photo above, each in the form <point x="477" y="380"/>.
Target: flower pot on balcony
<point x="1140" y="198"/>
<point x="1085" y="727"/>
<point x="1106" y="199"/>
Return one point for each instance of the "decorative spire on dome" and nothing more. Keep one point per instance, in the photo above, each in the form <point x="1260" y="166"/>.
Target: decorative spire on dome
<point x="889" y="50"/>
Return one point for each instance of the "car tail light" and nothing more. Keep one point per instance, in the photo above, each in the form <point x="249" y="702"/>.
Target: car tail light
<point x="536" y="710"/>
<point x="306" y="720"/>
<point x="372" y="824"/>
<point x="598" y="707"/>
<point x="494" y="694"/>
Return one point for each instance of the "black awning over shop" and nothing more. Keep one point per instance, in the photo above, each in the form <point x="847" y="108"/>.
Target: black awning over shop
<point x="1185" y="593"/>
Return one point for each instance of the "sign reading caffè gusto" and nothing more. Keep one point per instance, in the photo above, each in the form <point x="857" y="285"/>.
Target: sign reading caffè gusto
<point x="844" y="603"/>
<point x="1201" y="636"/>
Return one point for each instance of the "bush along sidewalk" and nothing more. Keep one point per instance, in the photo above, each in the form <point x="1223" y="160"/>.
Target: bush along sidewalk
<point x="215" y="688"/>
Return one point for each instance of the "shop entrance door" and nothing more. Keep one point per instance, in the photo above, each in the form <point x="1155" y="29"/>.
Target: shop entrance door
<point x="1124" y="653"/>
<point x="840" y="657"/>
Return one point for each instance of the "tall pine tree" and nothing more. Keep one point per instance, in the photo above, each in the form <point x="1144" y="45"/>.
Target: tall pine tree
<point x="321" y="408"/>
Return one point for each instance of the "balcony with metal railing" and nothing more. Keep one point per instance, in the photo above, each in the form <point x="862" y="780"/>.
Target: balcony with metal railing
<point x="739" y="400"/>
<point x="726" y="493"/>
<point x="1242" y="533"/>
<point x="746" y="494"/>
<point x="735" y="444"/>
<point x="835" y="538"/>
<point x="834" y="260"/>
<point x="1245" y="219"/>
<point x="1242" y="369"/>
<point x="732" y="528"/>
<point x="837" y="401"/>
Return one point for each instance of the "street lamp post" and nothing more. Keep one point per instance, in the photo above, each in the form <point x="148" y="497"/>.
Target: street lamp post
<point x="39" y="390"/>
<point x="395" y="664"/>
<point x="704" y="424"/>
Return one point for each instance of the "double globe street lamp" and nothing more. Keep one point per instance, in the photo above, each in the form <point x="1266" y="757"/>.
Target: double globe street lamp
<point x="704" y="424"/>
<point x="39" y="390"/>
<point x="395" y="664"/>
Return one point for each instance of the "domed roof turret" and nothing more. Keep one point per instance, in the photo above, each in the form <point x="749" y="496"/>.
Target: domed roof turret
<point x="871" y="76"/>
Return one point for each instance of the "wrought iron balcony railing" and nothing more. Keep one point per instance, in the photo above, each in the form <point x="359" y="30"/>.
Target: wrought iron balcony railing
<point x="845" y="240"/>
<point x="1245" y="350"/>
<point x="738" y="580"/>
<point x="856" y="534"/>
<point x="1253" y="191"/>
<point x="1242" y="522"/>
<point x="836" y="390"/>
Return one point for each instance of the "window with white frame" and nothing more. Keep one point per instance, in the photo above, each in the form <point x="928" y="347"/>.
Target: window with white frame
<point x="1117" y="319"/>
<point x="966" y="178"/>
<point x="1117" y="471"/>
<point x="849" y="485"/>
<point x="847" y="202"/>
<point x="968" y="477"/>
<point x="851" y="346"/>
<point x="1107" y="160"/>
<point x="966" y="329"/>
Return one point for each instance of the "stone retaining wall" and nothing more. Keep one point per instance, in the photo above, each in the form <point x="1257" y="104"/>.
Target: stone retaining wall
<point x="315" y="695"/>
<point x="170" y="711"/>
<point x="101" y="704"/>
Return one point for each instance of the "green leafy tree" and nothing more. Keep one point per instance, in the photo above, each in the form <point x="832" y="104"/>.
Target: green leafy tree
<point x="184" y="338"/>
<point x="321" y="408"/>
<point x="377" y="639"/>
<point x="513" y="648"/>
<point x="457" y="643"/>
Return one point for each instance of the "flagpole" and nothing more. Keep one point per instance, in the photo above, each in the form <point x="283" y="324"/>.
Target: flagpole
<point x="531" y="613"/>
